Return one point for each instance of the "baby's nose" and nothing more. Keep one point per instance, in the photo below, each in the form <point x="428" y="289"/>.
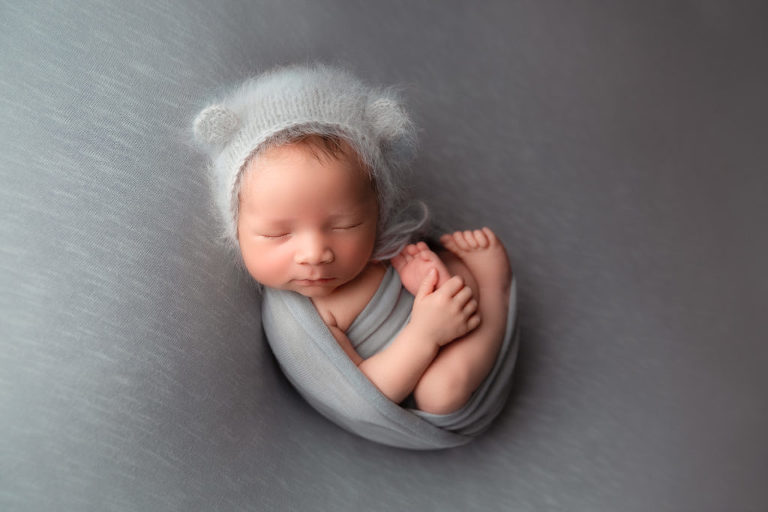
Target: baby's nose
<point x="313" y="249"/>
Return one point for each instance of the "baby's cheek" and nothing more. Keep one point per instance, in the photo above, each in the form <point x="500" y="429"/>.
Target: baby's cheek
<point x="358" y="251"/>
<point x="277" y="262"/>
<point x="266" y="265"/>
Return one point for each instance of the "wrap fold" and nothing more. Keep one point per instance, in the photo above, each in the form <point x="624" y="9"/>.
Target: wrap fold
<point x="329" y="381"/>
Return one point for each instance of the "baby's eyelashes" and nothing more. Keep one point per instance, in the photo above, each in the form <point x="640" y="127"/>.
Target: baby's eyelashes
<point x="341" y="228"/>
<point x="286" y="234"/>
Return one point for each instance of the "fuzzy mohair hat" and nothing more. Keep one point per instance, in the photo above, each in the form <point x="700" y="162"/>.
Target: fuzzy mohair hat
<point x="303" y="100"/>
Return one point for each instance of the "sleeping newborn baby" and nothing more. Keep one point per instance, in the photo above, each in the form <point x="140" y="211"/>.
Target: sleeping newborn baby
<point x="308" y="219"/>
<point x="308" y="176"/>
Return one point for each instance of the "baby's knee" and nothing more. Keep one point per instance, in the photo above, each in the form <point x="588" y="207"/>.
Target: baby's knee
<point x="443" y="394"/>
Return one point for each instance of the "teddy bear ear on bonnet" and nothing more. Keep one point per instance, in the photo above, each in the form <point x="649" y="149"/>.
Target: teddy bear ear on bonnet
<point x="394" y="129"/>
<point x="215" y="125"/>
<point x="310" y="94"/>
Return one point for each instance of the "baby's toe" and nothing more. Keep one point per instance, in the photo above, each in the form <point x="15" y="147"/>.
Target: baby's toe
<point x="492" y="240"/>
<point x="482" y="240"/>
<point x="470" y="238"/>
<point x="461" y="243"/>
<point x="429" y="256"/>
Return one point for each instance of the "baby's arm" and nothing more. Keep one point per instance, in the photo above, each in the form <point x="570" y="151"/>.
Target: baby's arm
<point x="438" y="317"/>
<point x="396" y="370"/>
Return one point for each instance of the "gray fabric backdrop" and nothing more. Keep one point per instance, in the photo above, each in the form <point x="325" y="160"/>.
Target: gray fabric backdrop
<point x="619" y="148"/>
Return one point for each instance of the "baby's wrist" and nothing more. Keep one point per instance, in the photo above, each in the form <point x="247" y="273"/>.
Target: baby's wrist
<point x="425" y="336"/>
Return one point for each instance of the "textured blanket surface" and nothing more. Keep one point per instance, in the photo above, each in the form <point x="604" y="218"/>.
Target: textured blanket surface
<point x="618" y="149"/>
<point x="323" y="374"/>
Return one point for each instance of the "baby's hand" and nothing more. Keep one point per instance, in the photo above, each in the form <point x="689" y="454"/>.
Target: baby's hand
<point x="447" y="313"/>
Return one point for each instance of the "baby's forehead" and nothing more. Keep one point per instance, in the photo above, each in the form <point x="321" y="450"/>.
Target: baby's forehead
<point x="287" y="169"/>
<point x="285" y="155"/>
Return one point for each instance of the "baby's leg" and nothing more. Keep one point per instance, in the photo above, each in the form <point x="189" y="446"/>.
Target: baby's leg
<point x="461" y="366"/>
<point x="413" y="263"/>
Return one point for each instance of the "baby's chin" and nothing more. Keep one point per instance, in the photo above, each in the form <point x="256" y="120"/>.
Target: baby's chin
<point x="313" y="290"/>
<point x="314" y="294"/>
<point x="305" y="289"/>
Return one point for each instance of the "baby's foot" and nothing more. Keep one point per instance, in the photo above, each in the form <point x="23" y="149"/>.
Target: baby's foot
<point x="484" y="255"/>
<point x="414" y="262"/>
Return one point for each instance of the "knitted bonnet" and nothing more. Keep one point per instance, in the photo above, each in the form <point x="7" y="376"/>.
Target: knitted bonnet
<point x="304" y="100"/>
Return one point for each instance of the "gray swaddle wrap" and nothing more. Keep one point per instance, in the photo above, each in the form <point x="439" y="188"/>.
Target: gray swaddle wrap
<point x="320" y="370"/>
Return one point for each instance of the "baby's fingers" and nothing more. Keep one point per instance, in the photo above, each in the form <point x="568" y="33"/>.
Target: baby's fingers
<point x="451" y="286"/>
<point x="463" y="296"/>
<point x="470" y="308"/>
<point x="473" y="322"/>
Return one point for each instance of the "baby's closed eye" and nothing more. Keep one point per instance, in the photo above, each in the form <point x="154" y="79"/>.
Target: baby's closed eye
<point x="347" y="226"/>
<point x="274" y="235"/>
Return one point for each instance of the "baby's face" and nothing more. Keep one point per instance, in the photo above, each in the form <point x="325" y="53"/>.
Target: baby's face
<point x="305" y="224"/>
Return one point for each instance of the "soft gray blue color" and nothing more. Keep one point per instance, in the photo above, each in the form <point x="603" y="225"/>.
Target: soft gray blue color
<point x="326" y="377"/>
<point x="618" y="148"/>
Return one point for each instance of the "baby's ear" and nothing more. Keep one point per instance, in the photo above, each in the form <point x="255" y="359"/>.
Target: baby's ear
<point x="215" y="125"/>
